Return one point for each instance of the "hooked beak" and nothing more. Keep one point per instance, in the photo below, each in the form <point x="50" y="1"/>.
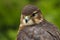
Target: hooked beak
<point x="26" y="19"/>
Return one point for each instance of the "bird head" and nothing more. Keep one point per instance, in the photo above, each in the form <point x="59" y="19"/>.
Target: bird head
<point x="31" y="15"/>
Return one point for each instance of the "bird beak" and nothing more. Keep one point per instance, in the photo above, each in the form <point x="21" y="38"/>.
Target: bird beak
<point x="26" y="19"/>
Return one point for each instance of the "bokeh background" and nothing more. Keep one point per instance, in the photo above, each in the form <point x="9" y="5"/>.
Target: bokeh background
<point x="10" y="11"/>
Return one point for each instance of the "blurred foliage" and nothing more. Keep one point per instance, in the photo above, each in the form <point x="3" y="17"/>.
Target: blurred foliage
<point x="10" y="11"/>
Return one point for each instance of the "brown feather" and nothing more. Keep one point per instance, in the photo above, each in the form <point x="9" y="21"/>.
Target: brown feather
<point x="29" y="9"/>
<point x="42" y="31"/>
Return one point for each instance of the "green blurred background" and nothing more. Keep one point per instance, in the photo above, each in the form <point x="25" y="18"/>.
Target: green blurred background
<point x="10" y="15"/>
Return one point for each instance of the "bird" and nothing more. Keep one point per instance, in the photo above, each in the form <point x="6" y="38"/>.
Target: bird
<point x="33" y="26"/>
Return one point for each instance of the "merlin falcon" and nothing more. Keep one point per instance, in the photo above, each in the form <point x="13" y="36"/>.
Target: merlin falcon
<point x="33" y="26"/>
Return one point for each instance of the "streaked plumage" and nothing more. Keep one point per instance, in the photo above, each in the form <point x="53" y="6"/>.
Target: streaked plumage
<point x="36" y="27"/>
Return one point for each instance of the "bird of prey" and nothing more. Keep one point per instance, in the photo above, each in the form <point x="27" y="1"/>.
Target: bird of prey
<point x="33" y="26"/>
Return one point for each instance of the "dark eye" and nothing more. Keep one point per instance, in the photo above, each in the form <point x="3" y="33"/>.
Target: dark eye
<point x="33" y="14"/>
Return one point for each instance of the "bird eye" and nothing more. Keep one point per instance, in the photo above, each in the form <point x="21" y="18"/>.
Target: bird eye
<point x="33" y="14"/>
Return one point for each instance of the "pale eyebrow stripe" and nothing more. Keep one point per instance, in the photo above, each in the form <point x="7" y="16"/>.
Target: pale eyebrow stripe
<point x="36" y="11"/>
